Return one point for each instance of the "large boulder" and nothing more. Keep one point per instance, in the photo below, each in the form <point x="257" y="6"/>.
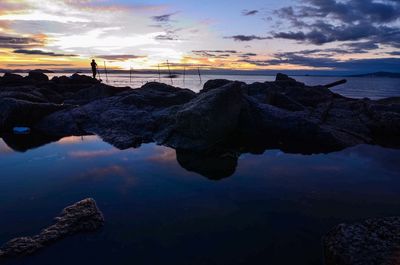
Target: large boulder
<point x="77" y="78"/>
<point x="215" y="83"/>
<point x="370" y="242"/>
<point x="10" y="79"/>
<point x="37" y="77"/>
<point x="162" y="95"/>
<point x="284" y="114"/>
<point x="284" y="78"/>
<point x="83" y="216"/>
<point x="94" y="92"/>
<point x="15" y="112"/>
<point x="205" y="121"/>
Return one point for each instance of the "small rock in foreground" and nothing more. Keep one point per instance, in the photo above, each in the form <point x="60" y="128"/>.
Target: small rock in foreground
<point x="83" y="216"/>
<point x="371" y="242"/>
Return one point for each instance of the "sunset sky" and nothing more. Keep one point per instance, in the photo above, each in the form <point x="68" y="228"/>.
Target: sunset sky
<point x="357" y="35"/>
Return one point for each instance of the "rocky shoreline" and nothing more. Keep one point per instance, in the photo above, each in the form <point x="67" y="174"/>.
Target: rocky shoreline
<point x="284" y="114"/>
<point x="211" y="129"/>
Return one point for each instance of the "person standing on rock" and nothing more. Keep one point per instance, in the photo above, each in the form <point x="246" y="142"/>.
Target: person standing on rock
<point x="94" y="68"/>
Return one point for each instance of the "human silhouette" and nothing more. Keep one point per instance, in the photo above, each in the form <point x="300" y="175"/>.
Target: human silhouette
<point x="94" y="68"/>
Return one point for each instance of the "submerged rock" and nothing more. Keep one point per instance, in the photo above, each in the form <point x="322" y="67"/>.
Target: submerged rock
<point x="83" y="216"/>
<point x="371" y="242"/>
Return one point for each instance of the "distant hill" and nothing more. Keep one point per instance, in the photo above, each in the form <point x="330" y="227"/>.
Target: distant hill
<point x="26" y="71"/>
<point x="379" y="74"/>
<point x="44" y="71"/>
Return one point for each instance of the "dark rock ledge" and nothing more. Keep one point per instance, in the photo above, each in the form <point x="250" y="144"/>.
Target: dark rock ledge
<point x="284" y="114"/>
<point x="83" y="216"/>
<point x="215" y="126"/>
<point x="370" y="242"/>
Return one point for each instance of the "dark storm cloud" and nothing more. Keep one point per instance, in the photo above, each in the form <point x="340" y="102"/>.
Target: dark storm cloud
<point x="394" y="53"/>
<point x="14" y="42"/>
<point x="322" y="33"/>
<point x="362" y="47"/>
<point x="366" y="65"/>
<point x="40" y="52"/>
<point x="324" y="21"/>
<point x="295" y="59"/>
<point x="246" y="37"/>
<point x="249" y="12"/>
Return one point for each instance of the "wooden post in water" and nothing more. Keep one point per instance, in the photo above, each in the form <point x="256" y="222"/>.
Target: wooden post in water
<point x="105" y="70"/>
<point x="159" y="74"/>
<point x="184" y="75"/>
<point x="198" y="70"/>
<point x="130" y="74"/>
<point x="169" y="72"/>
<point x="98" y="72"/>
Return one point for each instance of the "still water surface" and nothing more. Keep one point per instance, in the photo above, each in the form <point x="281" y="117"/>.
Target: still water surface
<point x="356" y="87"/>
<point x="274" y="209"/>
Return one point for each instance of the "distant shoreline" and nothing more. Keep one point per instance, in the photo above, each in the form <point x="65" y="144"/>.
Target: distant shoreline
<point x="212" y="72"/>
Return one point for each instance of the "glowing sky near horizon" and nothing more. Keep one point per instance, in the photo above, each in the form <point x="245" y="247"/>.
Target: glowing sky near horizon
<point x="234" y="34"/>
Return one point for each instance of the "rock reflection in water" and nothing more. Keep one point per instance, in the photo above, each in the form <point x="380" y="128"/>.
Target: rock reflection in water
<point x="23" y="143"/>
<point x="214" y="166"/>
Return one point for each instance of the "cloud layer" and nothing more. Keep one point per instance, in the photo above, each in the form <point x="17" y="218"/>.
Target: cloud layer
<point x="319" y="22"/>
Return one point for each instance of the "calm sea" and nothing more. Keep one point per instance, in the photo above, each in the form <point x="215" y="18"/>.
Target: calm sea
<point x="274" y="209"/>
<point x="356" y="87"/>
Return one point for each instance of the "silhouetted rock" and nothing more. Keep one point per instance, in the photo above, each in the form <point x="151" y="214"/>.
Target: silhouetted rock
<point x="206" y="120"/>
<point x="36" y="76"/>
<point x="125" y="120"/>
<point x="77" y="78"/>
<point x="61" y="79"/>
<point x="12" y="79"/>
<point x="371" y="242"/>
<point x="16" y="112"/>
<point x="284" y="114"/>
<point x="94" y="92"/>
<point x="83" y="216"/>
<point x="282" y="77"/>
<point x="212" y="84"/>
<point x="162" y="95"/>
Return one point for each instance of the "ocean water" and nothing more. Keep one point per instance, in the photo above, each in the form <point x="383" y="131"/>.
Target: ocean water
<point x="356" y="87"/>
<point x="274" y="209"/>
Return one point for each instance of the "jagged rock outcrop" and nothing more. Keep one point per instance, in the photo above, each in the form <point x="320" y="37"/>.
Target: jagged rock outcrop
<point x="371" y="242"/>
<point x="225" y="115"/>
<point x="37" y="77"/>
<point x="16" y="112"/>
<point x="26" y="100"/>
<point x="83" y="216"/>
